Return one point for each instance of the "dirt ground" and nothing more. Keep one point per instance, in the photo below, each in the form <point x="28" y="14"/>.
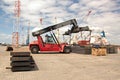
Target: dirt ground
<point x="73" y="66"/>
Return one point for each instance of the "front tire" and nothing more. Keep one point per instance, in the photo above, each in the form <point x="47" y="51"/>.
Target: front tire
<point x="34" y="49"/>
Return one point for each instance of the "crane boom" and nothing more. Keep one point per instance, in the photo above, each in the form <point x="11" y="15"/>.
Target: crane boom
<point x="56" y="26"/>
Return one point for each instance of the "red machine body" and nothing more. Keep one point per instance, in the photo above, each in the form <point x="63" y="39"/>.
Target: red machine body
<point x="47" y="47"/>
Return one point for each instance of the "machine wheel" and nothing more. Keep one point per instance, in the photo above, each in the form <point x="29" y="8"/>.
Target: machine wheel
<point x="34" y="49"/>
<point x="67" y="50"/>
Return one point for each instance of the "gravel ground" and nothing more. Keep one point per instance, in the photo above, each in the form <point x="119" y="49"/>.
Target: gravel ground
<point x="71" y="66"/>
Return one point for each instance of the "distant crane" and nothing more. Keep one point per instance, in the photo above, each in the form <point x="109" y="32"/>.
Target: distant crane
<point x="84" y="38"/>
<point x="15" y="34"/>
<point x="86" y="16"/>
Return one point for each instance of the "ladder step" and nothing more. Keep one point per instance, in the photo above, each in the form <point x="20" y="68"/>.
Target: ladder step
<point x="20" y="54"/>
<point x="20" y="59"/>
<point x="20" y="64"/>
<point x="25" y="68"/>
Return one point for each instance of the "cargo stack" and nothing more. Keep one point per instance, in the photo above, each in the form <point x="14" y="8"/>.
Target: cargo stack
<point x="21" y="61"/>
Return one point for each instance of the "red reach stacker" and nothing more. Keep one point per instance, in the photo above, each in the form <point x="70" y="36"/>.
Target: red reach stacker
<point x="52" y="44"/>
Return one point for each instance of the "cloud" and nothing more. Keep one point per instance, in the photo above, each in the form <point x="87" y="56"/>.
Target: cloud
<point x="74" y="6"/>
<point x="104" y="15"/>
<point x="5" y="38"/>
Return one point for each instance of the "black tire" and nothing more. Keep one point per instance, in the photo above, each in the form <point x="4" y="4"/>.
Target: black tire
<point x="67" y="50"/>
<point x="34" y="49"/>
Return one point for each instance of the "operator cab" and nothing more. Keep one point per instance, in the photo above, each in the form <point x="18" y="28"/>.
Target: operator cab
<point x="49" y="39"/>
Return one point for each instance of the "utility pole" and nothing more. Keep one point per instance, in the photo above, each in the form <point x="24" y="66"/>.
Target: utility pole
<point x="41" y="21"/>
<point x="57" y="29"/>
<point x="28" y="34"/>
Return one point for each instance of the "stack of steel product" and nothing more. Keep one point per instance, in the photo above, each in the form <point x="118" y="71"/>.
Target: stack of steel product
<point x="112" y="49"/>
<point x="21" y="61"/>
<point x="9" y="48"/>
<point x="82" y="50"/>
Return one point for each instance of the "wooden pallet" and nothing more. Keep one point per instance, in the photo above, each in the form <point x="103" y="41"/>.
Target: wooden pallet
<point x="99" y="51"/>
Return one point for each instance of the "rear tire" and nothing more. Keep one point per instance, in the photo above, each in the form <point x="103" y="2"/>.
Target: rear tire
<point x="67" y="50"/>
<point x="34" y="49"/>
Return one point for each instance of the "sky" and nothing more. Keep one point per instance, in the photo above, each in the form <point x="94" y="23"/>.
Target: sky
<point x="105" y="15"/>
